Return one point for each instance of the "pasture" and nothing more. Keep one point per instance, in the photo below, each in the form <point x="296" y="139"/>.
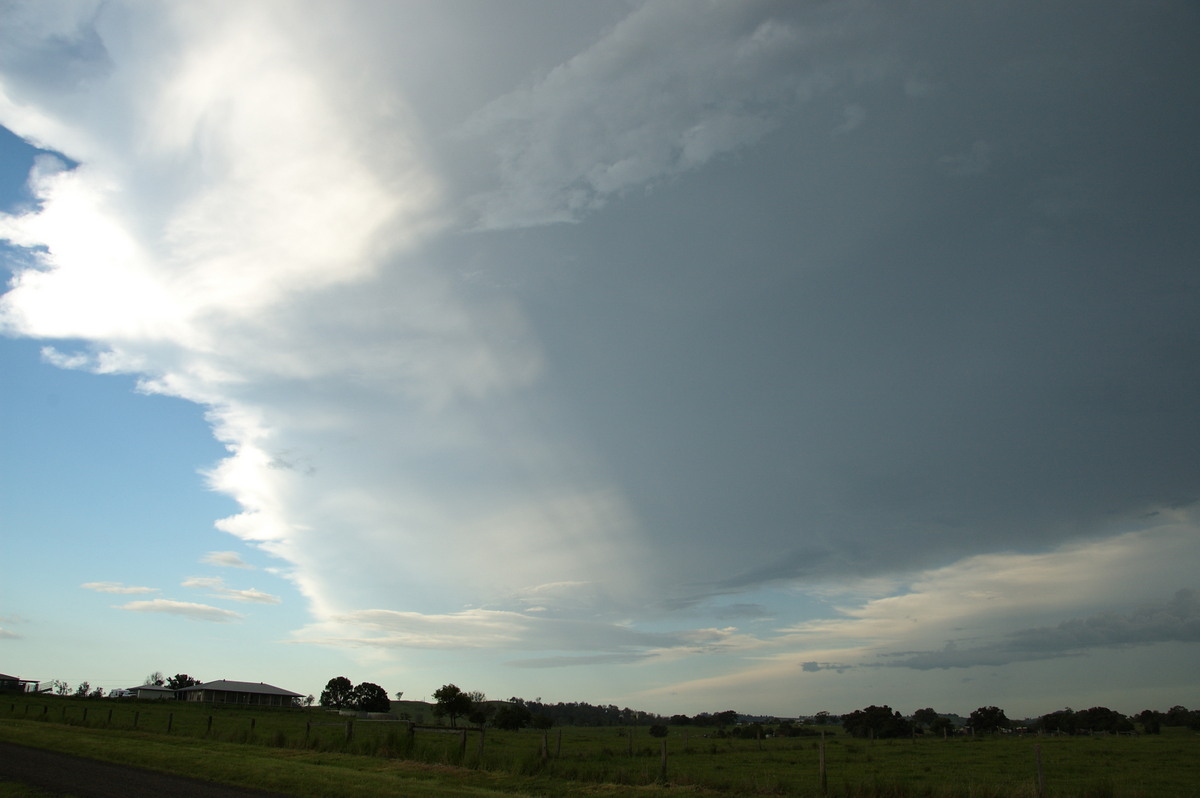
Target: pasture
<point x="372" y="754"/>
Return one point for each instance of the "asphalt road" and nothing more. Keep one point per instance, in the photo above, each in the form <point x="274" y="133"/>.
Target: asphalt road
<point x="64" y="774"/>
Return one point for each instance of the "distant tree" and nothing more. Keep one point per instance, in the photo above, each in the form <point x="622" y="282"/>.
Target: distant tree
<point x="941" y="726"/>
<point x="681" y="720"/>
<point x="543" y="721"/>
<point x="512" y="717"/>
<point x="1151" y="721"/>
<point x="480" y="710"/>
<point x="877" y="722"/>
<point x="1177" y="716"/>
<point x="451" y="702"/>
<point x="309" y="700"/>
<point x="156" y="679"/>
<point x="60" y="687"/>
<point x="83" y="689"/>
<point x="369" y="697"/>
<point x="925" y="717"/>
<point x="989" y="720"/>
<point x="399" y="694"/>
<point x="822" y="718"/>
<point x="337" y="693"/>
<point x="1060" y="722"/>
<point x="726" y="718"/>
<point x="97" y="693"/>
<point x="1102" y="719"/>
<point x="180" y="681"/>
<point x="658" y="730"/>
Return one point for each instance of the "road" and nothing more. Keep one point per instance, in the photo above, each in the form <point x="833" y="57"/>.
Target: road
<point x="65" y="774"/>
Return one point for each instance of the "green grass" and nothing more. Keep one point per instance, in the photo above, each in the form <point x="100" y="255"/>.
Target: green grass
<point x="9" y="789"/>
<point x="268" y="749"/>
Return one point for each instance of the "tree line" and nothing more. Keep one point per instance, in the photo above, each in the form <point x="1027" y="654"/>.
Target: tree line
<point x="880" y="722"/>
<point x="453" y="703"/>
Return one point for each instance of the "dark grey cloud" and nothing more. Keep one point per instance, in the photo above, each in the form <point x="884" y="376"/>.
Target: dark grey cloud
<point x="1175" y="621"/>
<point x="970" y="322"/>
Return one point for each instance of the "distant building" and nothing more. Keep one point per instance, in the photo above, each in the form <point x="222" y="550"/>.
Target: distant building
<point x="150" y="692"/>
<point x="255" y="694"/>
<point x="11" y="684"/>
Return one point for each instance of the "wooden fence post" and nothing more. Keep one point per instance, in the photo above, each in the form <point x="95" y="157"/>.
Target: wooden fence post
<point x="208" y="727"/>
<point x="481" y="746"/>
<point x="349" y="730"/>
<point x="821" y="767"/>
<point x="545" y="746"/>
<point x="662" y="765"/>
<point x="85" y="709"/>
<point x="558" y="746"/>
<point x="110" y="717"/>
<point x="136" y="715"/>
<point x="629" y="731"/>
<point x="1041" y="776"/>
<point x="170" y="721"/>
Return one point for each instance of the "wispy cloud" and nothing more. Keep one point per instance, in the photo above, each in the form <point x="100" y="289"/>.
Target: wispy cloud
<point x="185" y="609"/>
<point x="117" y="587"/>
<point x="219" y="590"/>
<point x="225" y="559"/>
<point x="613" y="120"/>
<point x="1177" y="620"/>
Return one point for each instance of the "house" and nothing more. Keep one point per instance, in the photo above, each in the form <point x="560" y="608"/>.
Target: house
<point x="256" y="694"/>
<point x="150" y="692"/>
<point x="11" y="684"/>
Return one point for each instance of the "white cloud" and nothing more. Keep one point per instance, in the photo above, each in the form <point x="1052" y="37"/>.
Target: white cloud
<point x="185" y="609"/>
<point x="225" y="559"/>
<point x="117" y="587"/>
<point x="220" y="590"/>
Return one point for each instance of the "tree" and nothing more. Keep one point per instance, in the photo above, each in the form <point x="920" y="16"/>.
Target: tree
<point x="97" y="693"/>
<point x="941" y="726"/>
<point x="988" y="719"/>
<point x="451" y="702"/>
<point x="512" y="717"/>
<point x="83" y="689"/>
<point x="658" y="730"/>
<point x="309" y="700"/>
<point x="876" y="722"/>
<point x="337" y="693"/>
<point x="60" y="687"/>
<point x="368" y="697"/>
<point x="925" y="717"/>
<point x="180" y="681"/>
<point x="156" y="679"/>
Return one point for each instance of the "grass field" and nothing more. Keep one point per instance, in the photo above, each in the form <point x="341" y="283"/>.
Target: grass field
<point x="309" y="752"/>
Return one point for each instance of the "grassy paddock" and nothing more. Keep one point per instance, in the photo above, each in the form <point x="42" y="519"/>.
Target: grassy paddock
<point x="578" y="760"/>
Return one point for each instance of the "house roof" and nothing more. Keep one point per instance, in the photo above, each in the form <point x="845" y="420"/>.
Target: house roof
<point x="242" y="687"/>
<point x="158" y="688"/>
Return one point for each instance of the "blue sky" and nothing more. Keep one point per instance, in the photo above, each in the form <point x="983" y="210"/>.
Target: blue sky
<point x="678" y="356"/>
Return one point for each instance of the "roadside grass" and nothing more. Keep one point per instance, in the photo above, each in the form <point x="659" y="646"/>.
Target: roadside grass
<point x="12" y="789"/>
<point x="600" y="760"/>
<point x="296" y="772"/>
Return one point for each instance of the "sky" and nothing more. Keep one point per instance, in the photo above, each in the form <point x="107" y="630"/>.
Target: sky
<point x="685" y="356"/>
